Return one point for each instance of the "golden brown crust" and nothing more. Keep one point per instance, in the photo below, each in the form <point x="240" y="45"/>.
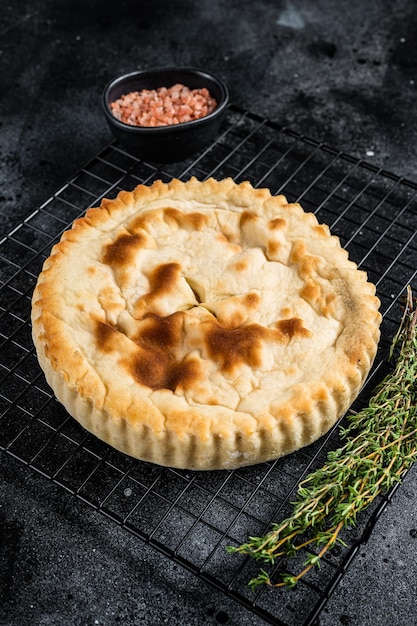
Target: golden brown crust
<point x="204" y="324"/>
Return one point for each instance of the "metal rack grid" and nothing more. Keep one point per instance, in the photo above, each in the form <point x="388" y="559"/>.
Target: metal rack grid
<point x="192" y="516"/>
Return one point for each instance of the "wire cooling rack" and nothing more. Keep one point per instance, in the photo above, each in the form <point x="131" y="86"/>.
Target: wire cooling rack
<point x="192" y="516"/>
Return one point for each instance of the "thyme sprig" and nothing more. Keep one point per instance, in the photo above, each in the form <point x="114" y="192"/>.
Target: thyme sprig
<point x="380" y="446"/>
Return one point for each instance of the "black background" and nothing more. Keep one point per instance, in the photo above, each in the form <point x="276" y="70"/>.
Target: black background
<point x="340" y="72"/>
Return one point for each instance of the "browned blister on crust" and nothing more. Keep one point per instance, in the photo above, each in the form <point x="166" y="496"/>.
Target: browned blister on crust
<point x="204" y="325"/>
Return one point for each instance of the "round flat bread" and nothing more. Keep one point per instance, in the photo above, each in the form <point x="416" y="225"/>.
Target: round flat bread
<point x="204" y="325"/>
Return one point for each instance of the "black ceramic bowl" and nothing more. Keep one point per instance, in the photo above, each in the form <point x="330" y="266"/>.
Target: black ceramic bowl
<point x="166" y="144"/>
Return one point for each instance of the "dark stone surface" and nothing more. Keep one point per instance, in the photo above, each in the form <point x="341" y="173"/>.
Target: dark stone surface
<point x="341" y="73"/>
